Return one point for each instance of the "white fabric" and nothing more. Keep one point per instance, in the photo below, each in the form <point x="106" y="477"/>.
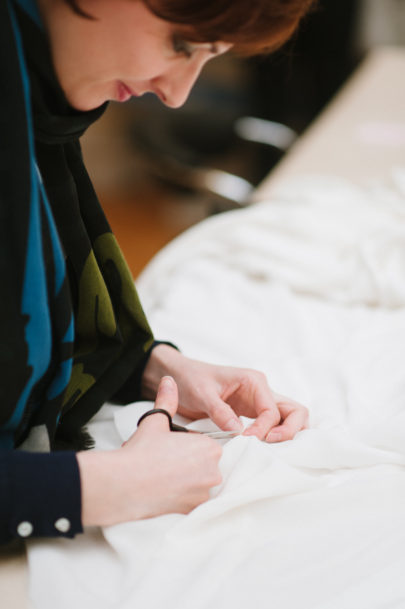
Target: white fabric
<point x="310" y="288"/>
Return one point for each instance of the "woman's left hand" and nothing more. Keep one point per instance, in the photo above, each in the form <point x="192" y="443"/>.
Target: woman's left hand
<point x="223" y="393"/>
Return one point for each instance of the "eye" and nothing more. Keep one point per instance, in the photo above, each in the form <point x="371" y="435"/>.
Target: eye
<point x="182" y="47"/>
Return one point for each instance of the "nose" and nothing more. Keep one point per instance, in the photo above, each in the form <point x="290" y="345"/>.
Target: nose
<point x="174" y="86"/>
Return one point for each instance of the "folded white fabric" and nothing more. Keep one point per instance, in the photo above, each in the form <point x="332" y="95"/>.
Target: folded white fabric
<point x="320" y="236"/>
<point x="310" y="288"/>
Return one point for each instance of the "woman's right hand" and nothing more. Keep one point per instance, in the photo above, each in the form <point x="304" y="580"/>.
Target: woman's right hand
<point x="155" y="472"/>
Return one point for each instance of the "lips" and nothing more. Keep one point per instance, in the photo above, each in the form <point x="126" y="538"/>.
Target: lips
<point x="124" y="93"/>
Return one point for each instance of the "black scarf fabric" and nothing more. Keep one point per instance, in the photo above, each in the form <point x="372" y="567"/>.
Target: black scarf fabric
<point x="73" y="333"/>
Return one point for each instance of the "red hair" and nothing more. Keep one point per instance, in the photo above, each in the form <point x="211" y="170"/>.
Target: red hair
<point x="252" y="26"/>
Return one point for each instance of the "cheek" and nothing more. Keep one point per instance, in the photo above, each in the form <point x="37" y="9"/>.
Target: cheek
<point x="144" y="61"/>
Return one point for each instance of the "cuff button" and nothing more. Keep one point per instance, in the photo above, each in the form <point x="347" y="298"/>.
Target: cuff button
<point x="25" y="528"/>
<point x="62" y="525"/>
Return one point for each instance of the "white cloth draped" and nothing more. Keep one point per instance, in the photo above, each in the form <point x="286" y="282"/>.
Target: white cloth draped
<point x="310" y="288"/>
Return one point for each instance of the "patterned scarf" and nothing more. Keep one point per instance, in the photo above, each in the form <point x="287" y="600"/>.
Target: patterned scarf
<point x="73" y="333"/>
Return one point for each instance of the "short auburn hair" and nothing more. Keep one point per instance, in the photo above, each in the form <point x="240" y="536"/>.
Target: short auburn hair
<point x="252" y="26"/>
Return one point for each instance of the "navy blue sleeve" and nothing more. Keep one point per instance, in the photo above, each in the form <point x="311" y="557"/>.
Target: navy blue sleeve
<point x="40" y="495"/>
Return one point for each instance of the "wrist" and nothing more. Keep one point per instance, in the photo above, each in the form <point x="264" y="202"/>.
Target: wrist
<point x="99" y="486"/>
<point x="162" y="361"/>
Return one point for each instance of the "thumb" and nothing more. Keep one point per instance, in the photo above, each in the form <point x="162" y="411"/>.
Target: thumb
<point x="167" y="397"/>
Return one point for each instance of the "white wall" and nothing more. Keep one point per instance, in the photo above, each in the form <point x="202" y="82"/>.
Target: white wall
<point x="381" y="22"/>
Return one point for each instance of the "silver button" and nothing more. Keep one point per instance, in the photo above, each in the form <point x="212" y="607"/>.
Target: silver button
<point x="62" y="525"/>
<point x="25" y="529"/>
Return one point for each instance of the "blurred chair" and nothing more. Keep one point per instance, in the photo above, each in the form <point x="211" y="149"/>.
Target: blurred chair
<point x="176" y="165"/>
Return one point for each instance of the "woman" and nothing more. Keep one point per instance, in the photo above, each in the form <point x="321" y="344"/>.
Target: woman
<point x="73" y="333"/>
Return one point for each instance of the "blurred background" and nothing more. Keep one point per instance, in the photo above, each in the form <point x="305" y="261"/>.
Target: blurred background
<point x="158" y="171"/>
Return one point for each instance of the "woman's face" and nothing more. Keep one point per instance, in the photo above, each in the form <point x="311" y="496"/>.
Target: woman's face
<point x="125" y="51"/>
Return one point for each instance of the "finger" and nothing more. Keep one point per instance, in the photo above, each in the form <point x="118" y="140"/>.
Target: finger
<point x="167" y="398"/>
<point x="222" y="415"/>
<point x="266" y="420"/>
<point x="286" y="403"/>
<point x="265" y="409"/>
<point x="294" y="421"/>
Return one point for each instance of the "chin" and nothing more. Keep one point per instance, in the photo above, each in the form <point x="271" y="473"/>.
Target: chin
<point x="84" y="103"/>
<point x="86" y="106"/>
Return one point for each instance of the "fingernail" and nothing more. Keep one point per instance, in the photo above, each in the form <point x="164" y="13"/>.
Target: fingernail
<point x="166" y="380"/>
<point x="273" y="437"/>
<point x="233" y="425"/>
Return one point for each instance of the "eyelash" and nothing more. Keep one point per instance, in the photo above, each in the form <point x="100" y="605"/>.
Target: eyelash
<point x="181" y="47"/>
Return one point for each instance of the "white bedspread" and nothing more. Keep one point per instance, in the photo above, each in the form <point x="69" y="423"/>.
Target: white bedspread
<point x="309" y="288"/>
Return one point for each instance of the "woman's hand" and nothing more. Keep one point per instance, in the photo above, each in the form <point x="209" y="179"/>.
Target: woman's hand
<point x="155" y="472"/>
<point x="224" y="393"/>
